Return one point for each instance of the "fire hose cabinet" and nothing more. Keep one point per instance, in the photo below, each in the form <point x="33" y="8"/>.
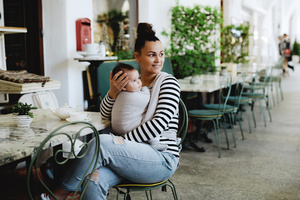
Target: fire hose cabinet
<point x="83" y="33"/>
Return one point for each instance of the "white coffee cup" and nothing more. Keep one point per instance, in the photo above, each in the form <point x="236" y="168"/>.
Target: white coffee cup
<point x="91" y="48"/>
<point x="79" y="116"/>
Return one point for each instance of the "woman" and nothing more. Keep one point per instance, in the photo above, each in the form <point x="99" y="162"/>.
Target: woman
<point x="128" y="157"/>
<point x="285" y="52"/>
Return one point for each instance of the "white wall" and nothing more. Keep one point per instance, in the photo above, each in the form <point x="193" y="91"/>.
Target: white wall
<point x="59" y="17"/>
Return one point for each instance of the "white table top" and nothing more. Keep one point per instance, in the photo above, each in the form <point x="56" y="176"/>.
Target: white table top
<point x="97" y="58"/>
<point x="207" y="83"/>
<point x="17" y="143"/>
<point x="211" y="83"/>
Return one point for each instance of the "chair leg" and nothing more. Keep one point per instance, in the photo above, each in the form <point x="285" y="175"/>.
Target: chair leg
<point x="268" y="108"/>
<point x="173" y="188"/>
<point x="248" y="117"/>
<point x="126" y="196"/>
<point x="216" y="127"/>
<point x="277" y="91"/>
<point x="253" y="115"/>
<point x="225" y="130"/>
<point x="273" y="97"/>
<point x="263" y="113"/>
<point x="230" y="116"/>
<point x="240" y="123"/>
<point x="279" y="83"/>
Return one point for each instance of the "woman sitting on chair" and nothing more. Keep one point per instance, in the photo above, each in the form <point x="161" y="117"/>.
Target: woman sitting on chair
<point x="129" y="157"/>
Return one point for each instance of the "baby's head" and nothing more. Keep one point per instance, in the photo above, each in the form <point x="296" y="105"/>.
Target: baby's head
<point x="134" y="83"/>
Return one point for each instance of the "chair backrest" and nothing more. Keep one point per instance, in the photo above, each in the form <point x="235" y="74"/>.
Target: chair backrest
<point x="183" y="121"/>
<point x="103" y="73"/>
<point x="260" y="81"/>
<point x="225" y="85"/>
<point x="60" y="158"/>
<point x="43" y="100"/>
<point x="239" y="88"/>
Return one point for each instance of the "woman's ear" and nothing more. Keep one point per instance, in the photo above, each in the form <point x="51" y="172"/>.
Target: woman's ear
<point x="137" y="57"/>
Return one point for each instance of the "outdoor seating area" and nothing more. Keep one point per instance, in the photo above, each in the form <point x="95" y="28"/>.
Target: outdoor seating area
<point x="156" y="100"/>
<point x="256" y="161"/>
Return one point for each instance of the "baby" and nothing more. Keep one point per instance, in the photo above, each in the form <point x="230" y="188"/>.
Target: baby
<point x="131" y="105"/>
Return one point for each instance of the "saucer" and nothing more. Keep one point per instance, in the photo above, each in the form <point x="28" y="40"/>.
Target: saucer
<point x="91" y="55"/>
<point x="85" y="120"/>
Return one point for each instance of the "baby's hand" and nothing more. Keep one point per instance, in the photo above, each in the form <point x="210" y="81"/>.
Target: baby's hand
<point x="117" y="84"/>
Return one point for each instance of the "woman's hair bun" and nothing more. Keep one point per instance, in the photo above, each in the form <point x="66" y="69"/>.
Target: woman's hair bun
<point x="144" y="33"/>
<point x="145" y="30"/>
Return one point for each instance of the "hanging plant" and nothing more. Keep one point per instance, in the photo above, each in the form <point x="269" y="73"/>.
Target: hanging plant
<point x="194" y="39"/>
<point x="235" y="43"/>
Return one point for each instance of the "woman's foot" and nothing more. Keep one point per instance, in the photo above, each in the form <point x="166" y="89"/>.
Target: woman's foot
<point x="59" y="193"/>
<point x="290" y="66"/>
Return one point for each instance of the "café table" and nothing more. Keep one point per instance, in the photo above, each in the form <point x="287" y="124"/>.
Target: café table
<point x="18" y="144"/>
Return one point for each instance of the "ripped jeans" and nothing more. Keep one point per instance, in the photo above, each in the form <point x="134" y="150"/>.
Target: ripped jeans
<point x="121" y="159"/>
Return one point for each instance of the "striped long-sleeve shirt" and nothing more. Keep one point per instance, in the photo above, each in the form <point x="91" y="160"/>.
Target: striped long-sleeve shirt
<point x="164" y="122"/>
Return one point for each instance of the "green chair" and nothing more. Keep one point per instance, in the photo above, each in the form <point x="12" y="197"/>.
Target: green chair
<point x="275" y="81"/>
<point x="237" y="100"/>
<point x="62" y="158"/>
<point x="228" y="110"/>
<point x="216" y="114"/>
<point x="258" y="91"/>
<point x="126" y="187"/>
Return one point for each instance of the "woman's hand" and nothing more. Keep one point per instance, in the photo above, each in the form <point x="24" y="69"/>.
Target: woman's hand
<point x="117" y="84"/>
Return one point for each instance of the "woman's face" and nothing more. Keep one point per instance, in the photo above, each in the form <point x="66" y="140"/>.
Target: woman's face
<point x="151" y="58"/>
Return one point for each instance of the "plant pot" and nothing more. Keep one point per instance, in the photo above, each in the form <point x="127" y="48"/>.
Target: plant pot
<point x="295" y="59"/>
<point x="194" y="79"/>
<point x="22" y="120"/>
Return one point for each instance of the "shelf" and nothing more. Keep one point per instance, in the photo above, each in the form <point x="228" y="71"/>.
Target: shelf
<point x="23" y="88"/>
<point x="12" y="30"/>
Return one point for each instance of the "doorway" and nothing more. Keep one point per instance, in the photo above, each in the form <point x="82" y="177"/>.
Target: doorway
<point x="24" y="51"/>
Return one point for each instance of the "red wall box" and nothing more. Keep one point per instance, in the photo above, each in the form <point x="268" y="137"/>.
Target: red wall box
<point x="83" y="33"/>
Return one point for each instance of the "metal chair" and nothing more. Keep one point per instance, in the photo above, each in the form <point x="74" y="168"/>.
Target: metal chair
<point x="129" y="186"/>
<point x="258" y="91"/>
<point x="61" y="158"/>
<point x="275" y="80"/>
<point x="237" y="100"/>
<point x="229" y="110"/>
<point x="216" y="114"/>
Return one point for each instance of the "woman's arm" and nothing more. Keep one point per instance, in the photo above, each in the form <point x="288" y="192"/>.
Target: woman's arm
<point x="167" y="108"/>
<point x="106" y="107"/>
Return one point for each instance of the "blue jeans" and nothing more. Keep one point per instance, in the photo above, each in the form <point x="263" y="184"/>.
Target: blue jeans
<point x="121" y="160"/>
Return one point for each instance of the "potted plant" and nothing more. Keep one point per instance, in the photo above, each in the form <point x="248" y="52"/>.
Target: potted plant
<point x="24" y="116"/>
<point x="296" y="52"/>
